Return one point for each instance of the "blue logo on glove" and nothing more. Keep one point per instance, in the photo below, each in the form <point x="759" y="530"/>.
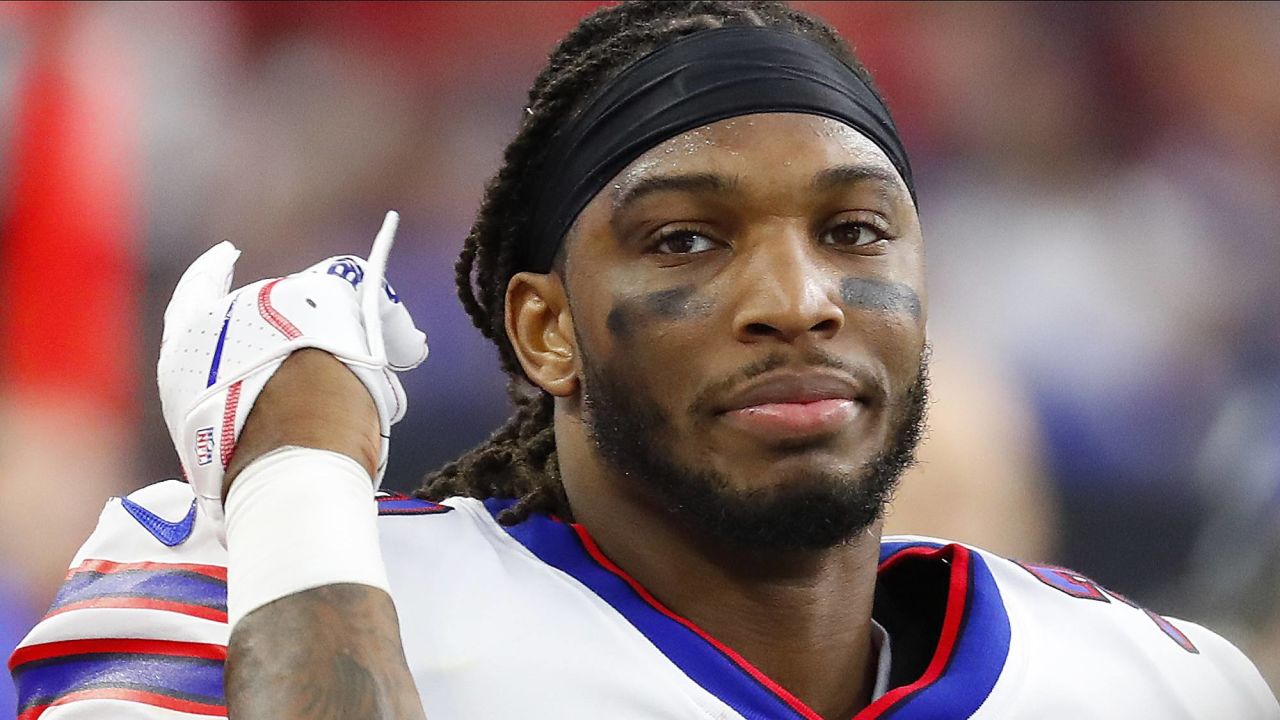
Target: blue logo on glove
<point x="348" y="269"/>
<point x="205" y="446"/>
<point x="167" y="532"/>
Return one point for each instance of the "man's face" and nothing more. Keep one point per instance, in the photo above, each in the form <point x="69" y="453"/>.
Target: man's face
<point x="749" y="305"/>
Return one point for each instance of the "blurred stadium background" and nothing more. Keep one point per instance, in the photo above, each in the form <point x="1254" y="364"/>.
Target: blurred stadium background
<point x="1099" y="184"/>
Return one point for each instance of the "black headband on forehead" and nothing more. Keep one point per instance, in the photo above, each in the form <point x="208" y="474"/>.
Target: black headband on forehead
<point x="707" y="76"/>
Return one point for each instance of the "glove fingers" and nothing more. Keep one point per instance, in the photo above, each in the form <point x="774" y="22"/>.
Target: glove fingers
<point x="376" y="289"/>
<point x="390" y="331"/>
<point x="406" y="345"/>
<point x="402" y="343"/>
<point x="205" y="281"/>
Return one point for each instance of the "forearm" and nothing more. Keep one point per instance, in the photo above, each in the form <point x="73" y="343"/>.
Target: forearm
<point x="331" y="652"/>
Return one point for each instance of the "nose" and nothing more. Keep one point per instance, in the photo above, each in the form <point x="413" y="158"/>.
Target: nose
<point x="786" y="292"/>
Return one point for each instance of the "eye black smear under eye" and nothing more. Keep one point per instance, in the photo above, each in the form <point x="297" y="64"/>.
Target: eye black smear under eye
<point x="676" y="303"/>
<point x="880" y="295"/>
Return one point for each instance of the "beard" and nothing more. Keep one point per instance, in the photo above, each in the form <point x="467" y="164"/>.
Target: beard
<point x="811" y="510"/>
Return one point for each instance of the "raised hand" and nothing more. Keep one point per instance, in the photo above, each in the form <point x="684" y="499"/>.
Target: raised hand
<point x="220" y="348"/>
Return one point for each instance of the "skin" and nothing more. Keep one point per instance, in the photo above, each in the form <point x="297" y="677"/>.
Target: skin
<point x="783" y="266"/>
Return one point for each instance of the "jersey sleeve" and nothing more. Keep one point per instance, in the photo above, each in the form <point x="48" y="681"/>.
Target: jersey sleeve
<point x="1098" y="653"/>
<point x="139" y="628"/>
<point x="1247" y="694"/>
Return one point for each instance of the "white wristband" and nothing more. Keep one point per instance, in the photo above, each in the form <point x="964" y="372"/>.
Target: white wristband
<point x="296" y="519"/>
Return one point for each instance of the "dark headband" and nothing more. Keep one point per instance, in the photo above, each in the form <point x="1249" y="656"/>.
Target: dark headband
<point x="707" y="76"/>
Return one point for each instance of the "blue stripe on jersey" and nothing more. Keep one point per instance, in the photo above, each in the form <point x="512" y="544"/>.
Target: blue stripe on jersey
<point x="558" y="545"/>
<point x="194" y="679"/>
<point x="980" y="651"/>
<point x="397" y="504"/>
<point x="171" y="585"/>
<point x="889" y="549"/>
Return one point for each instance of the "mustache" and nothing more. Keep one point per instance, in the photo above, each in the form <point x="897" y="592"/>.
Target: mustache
<point x="706" y="398"/>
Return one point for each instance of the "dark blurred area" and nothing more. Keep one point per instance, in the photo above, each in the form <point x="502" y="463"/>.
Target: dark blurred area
<point x="1099" y="187"/>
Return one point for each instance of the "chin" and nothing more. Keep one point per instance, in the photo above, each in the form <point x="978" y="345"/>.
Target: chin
<point x="834" y="462"/>
<point x="797" y="494"/>
<point x="797" y="507"/>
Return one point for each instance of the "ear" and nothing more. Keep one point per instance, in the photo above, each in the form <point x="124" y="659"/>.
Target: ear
<point x="540" y="327"/>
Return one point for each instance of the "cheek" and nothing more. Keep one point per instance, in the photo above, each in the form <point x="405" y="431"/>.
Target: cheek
<point x="650" y="339"/>
<point x="901" y="342"/>
<point x="891" y="316"/>
<point x="893" y="305"/>
<point x="881" y="296"/>
<point x="637" y="320"/>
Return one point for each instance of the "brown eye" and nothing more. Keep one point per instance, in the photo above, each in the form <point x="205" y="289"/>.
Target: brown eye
<point x="684" y="242"/>
<point x="853" y="234"/>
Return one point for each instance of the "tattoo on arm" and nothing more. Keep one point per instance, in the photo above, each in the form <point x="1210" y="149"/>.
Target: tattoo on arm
<point x="328" y="653"/>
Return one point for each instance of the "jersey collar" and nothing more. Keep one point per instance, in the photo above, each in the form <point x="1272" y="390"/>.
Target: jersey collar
<point x="964" y="668"/>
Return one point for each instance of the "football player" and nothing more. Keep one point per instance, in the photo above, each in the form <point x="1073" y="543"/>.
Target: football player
<point x="702" y="265"/>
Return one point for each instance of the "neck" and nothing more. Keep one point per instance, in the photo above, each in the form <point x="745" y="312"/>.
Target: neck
<point x="801" y="617"/>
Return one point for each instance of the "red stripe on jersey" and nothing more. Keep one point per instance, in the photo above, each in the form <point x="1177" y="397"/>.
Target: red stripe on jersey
<point x="108" y="567"/>
<point x="138" y="696"/>
<point x="63" y="648"/>
<point x="273" y="316"/>
<point x="957" y="597"/>
<point x="142" y="603"/>
<point x="783" y="694"/>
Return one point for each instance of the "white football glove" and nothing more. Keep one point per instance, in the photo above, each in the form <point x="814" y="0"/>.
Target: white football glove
<point x="219" y="349"/>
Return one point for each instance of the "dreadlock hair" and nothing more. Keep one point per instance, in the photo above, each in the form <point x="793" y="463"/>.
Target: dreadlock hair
<point x="519" y="460"/>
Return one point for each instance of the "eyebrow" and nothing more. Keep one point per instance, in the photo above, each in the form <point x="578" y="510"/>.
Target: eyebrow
<point x="688" y="182"/>
<point x="853" y="174"/>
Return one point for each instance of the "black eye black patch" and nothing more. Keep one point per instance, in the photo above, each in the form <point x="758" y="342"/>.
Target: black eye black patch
<point x="676" y="303"/>
<point x="880" y="296"/>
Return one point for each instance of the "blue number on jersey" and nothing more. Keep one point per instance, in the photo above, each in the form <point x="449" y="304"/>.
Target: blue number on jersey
<point x="1078" y="586"/>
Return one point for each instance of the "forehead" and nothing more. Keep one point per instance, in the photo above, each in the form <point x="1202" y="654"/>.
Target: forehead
<point x="760" y="146"/>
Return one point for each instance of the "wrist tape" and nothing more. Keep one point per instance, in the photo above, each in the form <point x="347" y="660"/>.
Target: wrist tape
<point x="296" y="519"/>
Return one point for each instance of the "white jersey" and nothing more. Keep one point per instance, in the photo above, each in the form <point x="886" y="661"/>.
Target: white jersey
<point x="532" y="621"/>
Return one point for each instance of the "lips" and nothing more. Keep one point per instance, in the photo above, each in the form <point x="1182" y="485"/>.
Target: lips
<point x="793" y="405"/>
<point x="791" y="388"/>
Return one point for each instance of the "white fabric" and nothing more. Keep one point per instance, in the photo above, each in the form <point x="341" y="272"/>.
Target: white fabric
<point x="275" y="551"/>
<point x="219" y="349"/>
<point x="487" y="606"/>
<point x="884" y="659"/>
<point x="491" y="631"/>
